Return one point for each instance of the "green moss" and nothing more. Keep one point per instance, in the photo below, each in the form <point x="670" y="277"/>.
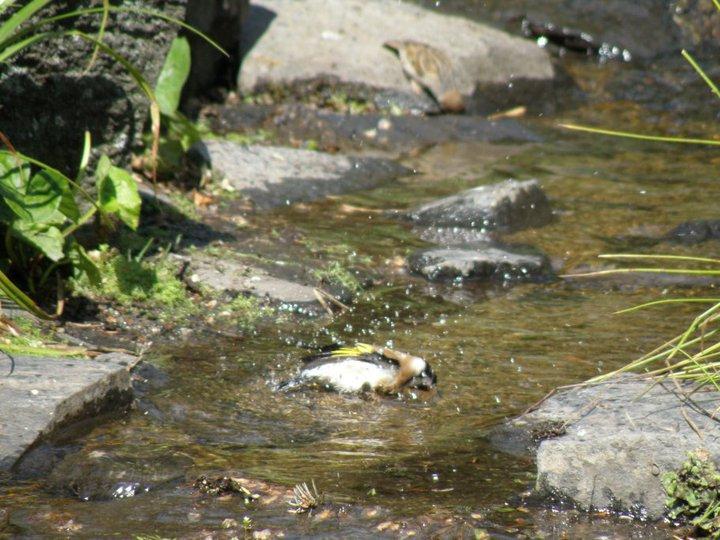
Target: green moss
<point x="37" y="339"/>
<point x="342" y="102"/>
<point x="694" y="493"/>
<point x="336" y="274"/>
<point x="259" y="136"/>
<point x="129" y="282"/>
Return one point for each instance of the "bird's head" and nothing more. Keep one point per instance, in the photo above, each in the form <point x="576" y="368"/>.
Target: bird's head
<point x="425" y="379"/>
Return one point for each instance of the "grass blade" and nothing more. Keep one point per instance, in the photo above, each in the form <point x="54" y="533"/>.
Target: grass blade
<point x="669" y="301"/>
<point x="21" y="299"/>
<point x="687" y="271"/>
<point x="686" y="55"/>
<point x="100" y="34"/>
<point x="630" y="135"/>
<point x="658" y="257"/>
<point x="8" y="28"/>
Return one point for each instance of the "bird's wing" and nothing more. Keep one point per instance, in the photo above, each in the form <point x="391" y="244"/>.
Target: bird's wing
<point x="359" y="351"/>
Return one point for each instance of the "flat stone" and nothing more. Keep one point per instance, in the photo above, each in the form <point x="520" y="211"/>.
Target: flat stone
<point x="42" y="395"/>
<point x="273" y="176"/>
<point x="290" y="41"/>
<point x="236" y="277"/>
<point x="506" y="206"/>
<point x="616" y="441"/>
<point x="487" y="263"/>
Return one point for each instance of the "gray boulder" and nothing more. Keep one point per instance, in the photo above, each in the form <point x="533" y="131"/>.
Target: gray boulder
<point x="488" y="263"/>
<point x="290" y="41"/>
<point x="608" y="445"/>
<point x="43" y="395"/>
<point x="275" y="176"/>
<point x="506" y="206"/>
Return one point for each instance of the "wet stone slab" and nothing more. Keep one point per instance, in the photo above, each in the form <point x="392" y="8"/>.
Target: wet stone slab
<point x="42" y="395"/>
<point x="272" y="176"/>
<point x="228" y="276"/>
<point x="505" y="206"/>
<point x="607" y="446"/>
<point x="480" y="263"/>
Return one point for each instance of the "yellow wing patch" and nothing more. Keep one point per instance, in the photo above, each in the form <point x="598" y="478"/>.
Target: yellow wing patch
<point x="357" y="350"/>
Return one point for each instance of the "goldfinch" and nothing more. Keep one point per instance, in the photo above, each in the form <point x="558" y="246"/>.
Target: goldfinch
<point x="363" y="367"/>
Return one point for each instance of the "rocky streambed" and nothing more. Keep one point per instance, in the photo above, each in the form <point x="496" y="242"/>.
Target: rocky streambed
<point x="440" y="235"/>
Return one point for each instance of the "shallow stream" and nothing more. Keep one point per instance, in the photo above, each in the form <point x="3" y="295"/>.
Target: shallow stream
<point x="496" y="351"/>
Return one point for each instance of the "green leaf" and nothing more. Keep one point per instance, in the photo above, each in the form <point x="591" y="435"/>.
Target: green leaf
<point x="49" y="240"/>
<point x="13" y="173"/>
<point x="10" y="26"/>
<point x="118" y="194"/>
<point x="103" y="167"/>
<point x="84" y="265"/>
<point x="172" y="78"/>
<point x="43" y="197"/>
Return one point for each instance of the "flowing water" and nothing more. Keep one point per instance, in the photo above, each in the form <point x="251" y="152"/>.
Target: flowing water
<point x="496" y="351"/>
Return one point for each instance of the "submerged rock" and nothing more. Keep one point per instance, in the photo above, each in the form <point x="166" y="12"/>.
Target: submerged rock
<point x="100" y="475"/>
<point x="43" y="395"/>
<point x="695" y="231"/>
<point x="487" y="263"/>
<point x="273" y="176"/>
<point x="342" y="41"/>
<point x="506" y="206"/>
<point x="616" y="441"/>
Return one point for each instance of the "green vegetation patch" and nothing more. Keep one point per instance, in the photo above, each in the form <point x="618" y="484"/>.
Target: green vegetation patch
<point x="694" y="493"/>
<point x="36" y="339"/>
<point x="130" y="281"/>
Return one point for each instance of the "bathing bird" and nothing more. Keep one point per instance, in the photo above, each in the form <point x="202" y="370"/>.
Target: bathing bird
<point x="363" y="367"/>
<point x="430" y="70"/>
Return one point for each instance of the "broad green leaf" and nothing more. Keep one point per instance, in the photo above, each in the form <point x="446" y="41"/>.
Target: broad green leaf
<point x="12" y="174"/>
<point x="67" y="205"/>
<point x="49" y="240"/>
<point x="83" y="264"/>
<point x="103" y="167"/>
<point x="43" y="196"/>
<point x="172" y="78"/>
<point x="118" y="194"/>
